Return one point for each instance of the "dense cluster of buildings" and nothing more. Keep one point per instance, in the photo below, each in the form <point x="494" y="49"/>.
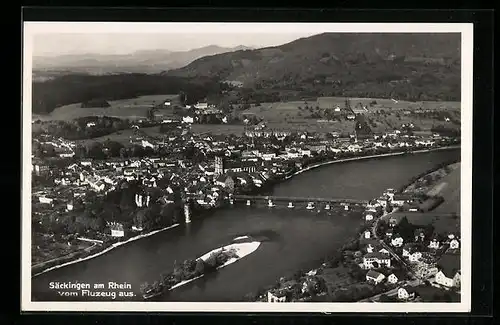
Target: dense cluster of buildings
<point x="208" y="168"/>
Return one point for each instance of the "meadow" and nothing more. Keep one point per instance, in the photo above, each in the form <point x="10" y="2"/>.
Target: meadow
<point x="286" y="116"/>
<point x="293" y="115"/>
<point x="133" y="108"/>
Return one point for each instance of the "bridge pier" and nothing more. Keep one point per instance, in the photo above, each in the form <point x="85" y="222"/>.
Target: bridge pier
<point x="270" y="203"/>
<point x="231" y="201"/>
<point x="346" y="207"/>
<point x="187" y="213"/>
<point x="327" y="206"/>
<point x="310" y="206"/>
<point x="248" y="203"/>
<point x="290" y="205"/>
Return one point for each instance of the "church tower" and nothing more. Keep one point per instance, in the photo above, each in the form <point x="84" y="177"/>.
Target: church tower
<point x="219" y="165"/>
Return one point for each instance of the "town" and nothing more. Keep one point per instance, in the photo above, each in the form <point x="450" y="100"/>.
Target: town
<point x="87" y="197"/>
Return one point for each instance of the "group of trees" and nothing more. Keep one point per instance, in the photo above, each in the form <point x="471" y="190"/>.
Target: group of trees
<point x="446" y="131"/>
<point x="190" y="269"/>
<point x="117" y="206"/>
<point x="77" y="129"/>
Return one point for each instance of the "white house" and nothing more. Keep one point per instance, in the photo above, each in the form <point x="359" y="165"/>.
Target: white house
<point x="45" y="200"/>
<point x="146" y="144"/>
<point x="116" y="229"/>
<point x="369" y="216"/>
<point x="384" y="251"/>
<point x="367" y="234"/>
<point x="201" y="105"/>
<point x="392" y="278"/>
<point x="406" y="293"/>
<point x="449" y="270"/>
<point x="434" y="244"/>
<point x="415" y="257"/>
<point x="373" y="260"/>
<point x="454" y="243"/>
<point x="448" y="280"/>
<point x="187" y="119"/>
<point x="397" y="241"/>
<point x="278" y="297"/>
<point x="374" y="277"/>
<point x="382" y="201"/>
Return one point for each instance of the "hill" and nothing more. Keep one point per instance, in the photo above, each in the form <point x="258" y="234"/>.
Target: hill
<point x="403" y="66"/>
<point x="77" y="88"/>
<point x="145" y="61"/>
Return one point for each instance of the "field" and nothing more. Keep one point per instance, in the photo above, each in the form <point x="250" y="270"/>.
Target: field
<point x="124" y="136"/>
<point x="286" y="116"/>
<point x="224" y="129"/>
<point x="449" y="189"/>
<point x="293" y="115"/>
<point x="134" y="108"/>
<point x="383" y="103"/>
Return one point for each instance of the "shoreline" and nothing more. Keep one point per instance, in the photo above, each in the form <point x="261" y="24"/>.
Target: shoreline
<point x="242" y="249"/>
<point x="106" y="250"/>
<point x="368" y="157"/>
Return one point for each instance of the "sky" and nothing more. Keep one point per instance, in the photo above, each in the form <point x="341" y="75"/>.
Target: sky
<point x="57" y="38"/>
<point x="123" y="43"/>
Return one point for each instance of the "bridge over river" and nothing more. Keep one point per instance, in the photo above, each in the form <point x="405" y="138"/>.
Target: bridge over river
<point x="292" y="200"/>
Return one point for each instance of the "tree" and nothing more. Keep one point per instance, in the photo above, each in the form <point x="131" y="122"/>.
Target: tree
<point x="123" y="152"/>
<point x="200" y="267"/>
<point x="388" y="208"/>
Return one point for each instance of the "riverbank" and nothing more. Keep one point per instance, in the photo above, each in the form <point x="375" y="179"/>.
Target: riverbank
<point x="333" y="273"/>
<point x="65" y="261"/>
<point x="242" y="250"/>
<point x="399" y="153"/>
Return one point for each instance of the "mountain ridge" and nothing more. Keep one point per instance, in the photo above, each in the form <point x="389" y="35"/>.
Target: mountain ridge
<point x="335" y="55"/>
<point x="141" y="61"/>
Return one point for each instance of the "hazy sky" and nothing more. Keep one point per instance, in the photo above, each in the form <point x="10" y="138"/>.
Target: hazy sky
<point x="106" y="43"/>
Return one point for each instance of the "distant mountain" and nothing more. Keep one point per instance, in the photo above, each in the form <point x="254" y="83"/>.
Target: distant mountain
<point x="144" y="61"/>
<point x="346" y="59"/>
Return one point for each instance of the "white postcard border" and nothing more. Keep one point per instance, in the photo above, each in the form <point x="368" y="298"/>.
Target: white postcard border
<point x="466" y="30"/>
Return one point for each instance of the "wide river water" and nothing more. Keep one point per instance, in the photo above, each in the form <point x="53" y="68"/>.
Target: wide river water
<point x="292" y="240"/>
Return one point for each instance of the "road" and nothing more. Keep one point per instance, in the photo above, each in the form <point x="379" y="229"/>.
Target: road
<point x="387" y="247"/>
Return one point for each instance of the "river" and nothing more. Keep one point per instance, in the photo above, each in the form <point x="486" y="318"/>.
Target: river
<point x="292" y="240"/>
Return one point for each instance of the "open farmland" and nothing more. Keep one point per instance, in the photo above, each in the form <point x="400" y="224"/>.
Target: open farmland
<point x="122" y="137"/>
<point x="223" y="129"/>
<point x="134" y="108"/>
<point x="293" y="115"/>
<point x="383" y="103"/>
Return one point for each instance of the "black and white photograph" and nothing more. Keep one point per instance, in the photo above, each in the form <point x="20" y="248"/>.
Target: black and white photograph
<point x="289" y="167"/>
